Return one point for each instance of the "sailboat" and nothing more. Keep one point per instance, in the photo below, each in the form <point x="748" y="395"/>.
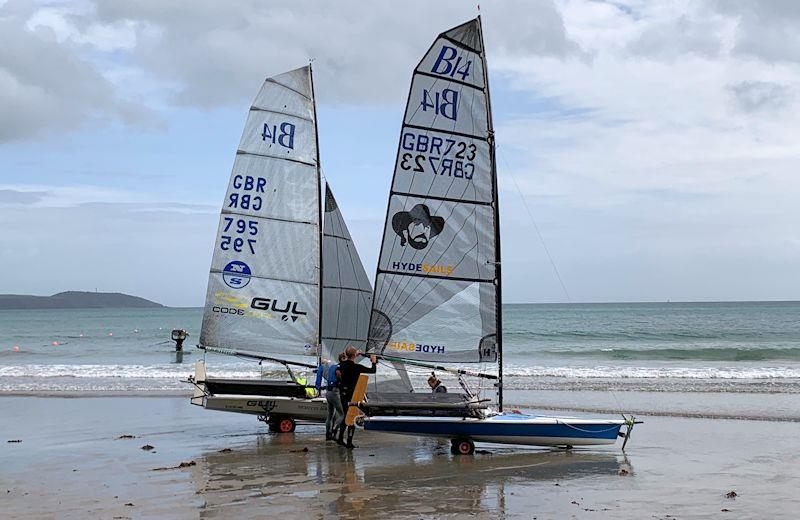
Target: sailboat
<point x="286" y="284"/>
<point x="437" y="301"/>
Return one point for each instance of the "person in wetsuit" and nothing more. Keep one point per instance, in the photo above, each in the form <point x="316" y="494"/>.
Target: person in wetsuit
<point x="334" y="401"/>
<point x="347" y="375"/>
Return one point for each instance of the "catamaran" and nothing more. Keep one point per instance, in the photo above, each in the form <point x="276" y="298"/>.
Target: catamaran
<point x="286" y="283"/>
<point x="437" y="301"/>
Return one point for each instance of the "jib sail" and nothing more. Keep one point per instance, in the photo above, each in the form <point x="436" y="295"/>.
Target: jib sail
<point x="264" y="286"/>
<point x="437" y="282"/>
<point x="347" y="292"/>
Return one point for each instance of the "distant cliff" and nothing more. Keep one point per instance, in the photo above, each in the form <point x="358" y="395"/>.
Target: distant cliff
<point x="74" y="300"/>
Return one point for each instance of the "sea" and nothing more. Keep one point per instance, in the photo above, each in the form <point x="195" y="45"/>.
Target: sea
<point x="680" y="358"/>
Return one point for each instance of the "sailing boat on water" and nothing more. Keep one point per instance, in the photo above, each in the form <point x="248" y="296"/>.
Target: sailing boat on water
<point x="437" y="300"/>
<point x="286" y="283"/>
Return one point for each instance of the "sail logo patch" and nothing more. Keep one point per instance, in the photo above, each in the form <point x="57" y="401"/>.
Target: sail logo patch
<point x="236" y="274"/>
<point x="423" y="267"/>
<point x="417" y="227"/>
<point x="288" y="310"/>
<point x="402" y="346"/>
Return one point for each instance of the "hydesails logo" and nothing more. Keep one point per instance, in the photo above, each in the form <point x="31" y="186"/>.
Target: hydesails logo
<point x="236" y="274"/>
<point x="417" y="227"/>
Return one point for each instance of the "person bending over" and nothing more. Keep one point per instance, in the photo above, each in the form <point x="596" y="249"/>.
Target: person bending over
<point x="347" y="375"/>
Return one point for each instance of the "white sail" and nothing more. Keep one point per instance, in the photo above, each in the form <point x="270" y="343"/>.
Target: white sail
<point x="437" y="283"/>
<point x="347" y="292"/>
<point x="264" y="286"/>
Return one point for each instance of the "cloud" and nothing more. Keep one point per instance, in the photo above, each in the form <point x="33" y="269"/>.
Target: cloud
<point x="752" y="96"/>
<point x="63" y="65"/>
<point x="766" y="29"/>
<point x="215" y="53"/>
<point x="48" y="83"/>
<point x="654" y="141"/>
<point x="21" y="197"/>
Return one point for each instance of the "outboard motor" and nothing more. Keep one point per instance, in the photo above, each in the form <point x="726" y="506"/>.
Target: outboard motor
<point x="178" y="336"/>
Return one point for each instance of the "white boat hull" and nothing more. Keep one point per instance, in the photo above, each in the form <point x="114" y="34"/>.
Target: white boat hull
<point x="299" y="408"/>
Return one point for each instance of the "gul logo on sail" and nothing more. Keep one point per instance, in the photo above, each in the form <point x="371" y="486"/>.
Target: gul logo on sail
<point x="410" y="346"/>
<point x="287" y="311"/>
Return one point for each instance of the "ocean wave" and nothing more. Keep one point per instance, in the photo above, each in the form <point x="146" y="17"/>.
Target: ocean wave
<point x="751" y="335"/>
<point x="163" y="371"/>
<point x="680" y="354"/>
<point x="245" y="370"/>
<point x="616" y="372"/>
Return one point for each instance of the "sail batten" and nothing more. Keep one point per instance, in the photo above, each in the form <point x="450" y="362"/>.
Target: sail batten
<point x="438" y="271"/>
<point x="276" y="157"/>
<point x="280" y="113"/>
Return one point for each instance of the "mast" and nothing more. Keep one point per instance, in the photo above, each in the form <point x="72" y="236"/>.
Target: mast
<point x="319" y="213"/>
<point x="496" y="207"/>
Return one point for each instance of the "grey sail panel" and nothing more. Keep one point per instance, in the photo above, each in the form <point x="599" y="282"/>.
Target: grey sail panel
<point x="264" y="284"/>
<point x="436" y="284"/>
<point x="347" y="292"/>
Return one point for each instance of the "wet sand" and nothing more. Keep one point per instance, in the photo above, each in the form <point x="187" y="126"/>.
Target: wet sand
<point x="71" y="463"/>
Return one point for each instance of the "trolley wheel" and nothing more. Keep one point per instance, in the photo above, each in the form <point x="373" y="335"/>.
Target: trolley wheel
<point x="462" y="447"/>
<point x="282" y="425"/>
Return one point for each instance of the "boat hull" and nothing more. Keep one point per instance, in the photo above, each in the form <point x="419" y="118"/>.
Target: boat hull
<point x="520" y="429"/>
<point x="304" y="409"/>
<point x="248" y="400"/>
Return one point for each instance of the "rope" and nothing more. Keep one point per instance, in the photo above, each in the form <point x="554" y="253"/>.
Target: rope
<point x="617" y="426"/>
<point x="535" y="226"/>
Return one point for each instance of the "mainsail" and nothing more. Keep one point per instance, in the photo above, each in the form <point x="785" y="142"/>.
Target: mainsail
<point x="347" y="292"/>
<point x="264" y="289"/>
<point x="437" y="287"/>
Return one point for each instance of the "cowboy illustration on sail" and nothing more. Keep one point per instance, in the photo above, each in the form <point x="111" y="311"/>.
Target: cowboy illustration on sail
<point x="417" y="227"/>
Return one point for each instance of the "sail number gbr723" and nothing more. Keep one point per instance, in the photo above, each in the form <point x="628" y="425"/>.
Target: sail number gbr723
<point x="444" y="156"/>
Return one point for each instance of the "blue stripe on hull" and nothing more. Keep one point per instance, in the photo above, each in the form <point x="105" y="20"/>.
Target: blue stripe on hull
<point x="496" y="429"/>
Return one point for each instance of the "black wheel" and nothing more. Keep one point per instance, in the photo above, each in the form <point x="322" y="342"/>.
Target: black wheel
<point x="462" y="447"/>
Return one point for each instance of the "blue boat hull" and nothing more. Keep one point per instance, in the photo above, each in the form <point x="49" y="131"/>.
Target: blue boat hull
<point x="505" y="429"/>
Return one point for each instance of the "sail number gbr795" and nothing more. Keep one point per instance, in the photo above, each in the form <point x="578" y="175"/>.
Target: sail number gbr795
<point x="236" y="233"/>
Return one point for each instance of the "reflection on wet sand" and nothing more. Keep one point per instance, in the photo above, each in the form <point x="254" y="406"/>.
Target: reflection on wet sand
<point x="386" y="475"/>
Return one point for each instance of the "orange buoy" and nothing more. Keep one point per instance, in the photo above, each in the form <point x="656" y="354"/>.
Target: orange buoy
<point x="55" y="343"/>
<point x="110" y="333"/>
<point x="16" y="348"/>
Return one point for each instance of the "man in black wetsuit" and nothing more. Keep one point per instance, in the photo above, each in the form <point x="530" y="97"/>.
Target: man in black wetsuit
<point x="347" y="374"/>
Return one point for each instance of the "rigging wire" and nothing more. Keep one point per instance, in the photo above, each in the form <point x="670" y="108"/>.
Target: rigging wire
<point x="535" y="225"/>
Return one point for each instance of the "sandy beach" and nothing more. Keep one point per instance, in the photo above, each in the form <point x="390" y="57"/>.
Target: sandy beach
<point x="72" y="463"/>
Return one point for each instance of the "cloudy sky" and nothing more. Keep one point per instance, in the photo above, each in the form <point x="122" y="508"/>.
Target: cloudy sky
<point x="655" y="143"/>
